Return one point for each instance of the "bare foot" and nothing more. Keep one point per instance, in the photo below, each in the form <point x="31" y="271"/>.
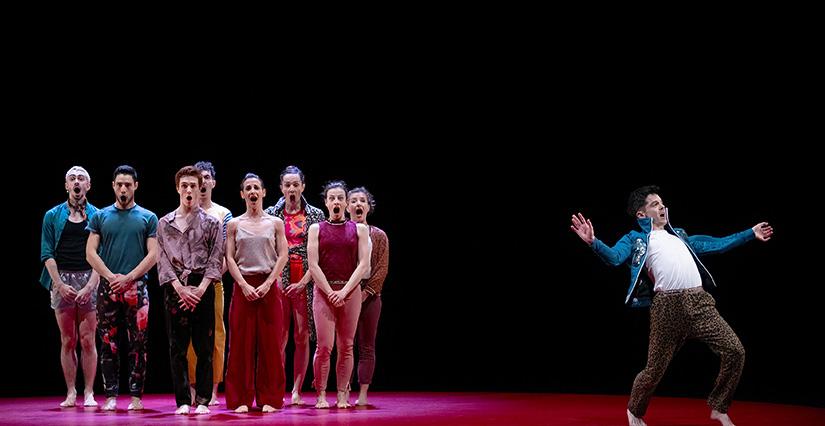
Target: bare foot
<point x="110" y="405"/>
<point x="322" y="400"/>
<point x="136" y="404"/>
<point x="362" y="395"/>
<point x="268" y="409"/>
<point x="89" y="400"/>
<point x="71" y="400"/>
<point x="343" y="400"/>
<point x="721" y="417"/>
<point x="183" y="409"/>
<point x="634" y="421"/>
<point x="202" y="409"/>
<point x="296" y="398"/>
<point x="242" y="409"/>
<point x="192" y="394"/>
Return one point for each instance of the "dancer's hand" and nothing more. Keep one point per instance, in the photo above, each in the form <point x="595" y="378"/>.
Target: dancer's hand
<point x="84" y="295"/>
<point x="263" y="289"/>
<point x="337" y="298"/>
<point x="763" y="231"/>
<point x="294" y="289"/>
<point x="186" y="299"/>
<point x="66" y="291"/>
<point x="583" y="228"/>
<point x="249" y="292"/>
<point x="120" y="283"/>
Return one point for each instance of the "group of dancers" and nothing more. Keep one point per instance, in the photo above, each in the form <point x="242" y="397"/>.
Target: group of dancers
<point x="290" y="263"/>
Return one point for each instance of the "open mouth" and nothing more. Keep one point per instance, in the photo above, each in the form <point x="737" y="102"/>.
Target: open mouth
<point x="359" y="211"/>
<point x="122" y="198"/>
<point x="253" y="198"/>
<point x="188" y="198"/>
<point x="77" y="190"/>
<point x="291" y="198"/>
<point x="203" y="190"/>
<point x="336" y="210"/>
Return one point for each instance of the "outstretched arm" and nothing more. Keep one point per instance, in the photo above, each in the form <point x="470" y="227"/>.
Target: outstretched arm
<point x="704" y="244"/>
<point x="615" y="255"/>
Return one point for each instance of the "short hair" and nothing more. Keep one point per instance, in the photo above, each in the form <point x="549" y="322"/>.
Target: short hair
<point x="188" y="171"/>
<point x="252" y="176"/>
<point x="77" y="170"/>
<point x="370" y="199"/>
<point x="332" y="185"/>
<point x="206" y="166"/>
<point x="637" y="198"/>
<point x="125" y="170"/>
<point x="291" y="170"/>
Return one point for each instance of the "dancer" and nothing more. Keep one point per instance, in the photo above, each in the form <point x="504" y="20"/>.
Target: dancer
<point x="191" y="259"/>
<point x="360" y="205"/>
<point x="73" y="282"/>
<point x="224" y="216"/>
<point x="338" y="252"/>
<point x="298" y="215"/>
<point x="122" y="247"/>
<point x="665" y="267"/>
<point x="256" y="253"/>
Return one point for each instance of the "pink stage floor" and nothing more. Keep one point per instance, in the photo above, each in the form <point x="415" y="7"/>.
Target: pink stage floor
<point x="443" y="409"/>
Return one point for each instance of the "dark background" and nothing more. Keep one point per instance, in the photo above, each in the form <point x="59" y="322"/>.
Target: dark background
<point x="488" y="290"/>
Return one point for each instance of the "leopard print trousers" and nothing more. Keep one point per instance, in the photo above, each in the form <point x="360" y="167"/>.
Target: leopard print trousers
<point x="674" y="318"/>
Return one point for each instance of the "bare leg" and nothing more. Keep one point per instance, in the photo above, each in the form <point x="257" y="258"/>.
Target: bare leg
<point x="88" y="327"/>
<point x="301" y="339"/>
<point x="634" y="421"/>
<point x="362" y="395"/>
<point x="214" y="400"/>
<point x="722" y="418"/>
<point x="66" y="321"/>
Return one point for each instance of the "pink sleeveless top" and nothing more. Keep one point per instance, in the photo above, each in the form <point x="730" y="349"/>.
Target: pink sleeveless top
<point x="338" y="250"/>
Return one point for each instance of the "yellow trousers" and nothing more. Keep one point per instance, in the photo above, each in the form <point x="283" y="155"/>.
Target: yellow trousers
<point x="220" y="341"/>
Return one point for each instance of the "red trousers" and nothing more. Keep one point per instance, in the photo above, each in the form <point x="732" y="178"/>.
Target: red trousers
<point x="255" y="367"/>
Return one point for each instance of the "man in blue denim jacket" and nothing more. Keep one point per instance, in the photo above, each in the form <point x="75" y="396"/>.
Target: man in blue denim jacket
<point x="667" y="275"/>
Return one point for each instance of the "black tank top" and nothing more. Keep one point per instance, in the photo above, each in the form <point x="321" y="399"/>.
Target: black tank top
<point x="71" y="250"/>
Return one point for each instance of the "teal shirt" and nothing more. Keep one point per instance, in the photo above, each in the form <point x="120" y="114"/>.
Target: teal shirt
<point x="53" y="223"/>
<point x="123" y="235"/>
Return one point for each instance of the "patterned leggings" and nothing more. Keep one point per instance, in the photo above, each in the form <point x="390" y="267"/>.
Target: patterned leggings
<point x="129" y="310"/>
<point x="675" y="317"/>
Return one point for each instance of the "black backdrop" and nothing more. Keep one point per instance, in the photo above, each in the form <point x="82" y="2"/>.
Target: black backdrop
<point x="488" y="290"/>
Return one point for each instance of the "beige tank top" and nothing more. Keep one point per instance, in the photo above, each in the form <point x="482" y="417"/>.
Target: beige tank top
<point x="255" y="253"/>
